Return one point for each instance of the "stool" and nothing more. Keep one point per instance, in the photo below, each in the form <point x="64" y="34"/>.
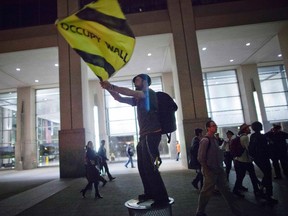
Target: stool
<point x="145" y="208"/>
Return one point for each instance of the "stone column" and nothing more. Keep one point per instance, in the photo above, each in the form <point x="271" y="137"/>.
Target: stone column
<point x="168" y="87"/>
<point x="190" y="82"/>
<point x="26" y="146"/>
<point x="97" y="99"/>
<point x="72" y="97"/>
<point x="283" y="41"/>
<point x="249" y="83"/>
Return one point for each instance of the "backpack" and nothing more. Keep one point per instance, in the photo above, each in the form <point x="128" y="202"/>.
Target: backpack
<point x="130" y="152"/>
<point x="193" y="162"/>
<point x="166" y="113"/>
<point x="236" y="148"/>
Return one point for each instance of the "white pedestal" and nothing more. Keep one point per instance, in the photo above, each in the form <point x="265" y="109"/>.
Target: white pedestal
<point x="144" y="208"/>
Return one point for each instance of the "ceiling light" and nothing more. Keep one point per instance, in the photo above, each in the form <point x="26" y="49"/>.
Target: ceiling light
<point x="56" y="65"/>
<point x="279" y="55"/>
<point x="204" y="48"/>
<point x="148" y="69"/>
<point x="248" y="44"/>
<point x="36" y="81"/>
<point x="231" y="60"/>
<point x="149" y="54"/>
<point x="17" y="69"/>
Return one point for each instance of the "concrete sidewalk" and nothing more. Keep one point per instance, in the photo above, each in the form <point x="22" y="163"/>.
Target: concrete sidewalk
<point x="41" y="192"/>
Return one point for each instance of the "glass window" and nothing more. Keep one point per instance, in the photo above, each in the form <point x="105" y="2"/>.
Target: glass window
<point x="274" y="88"/>
<point x="122" y="121"/>
<point x="8" y="114"/>
<point x="47" y="126"/>
<point x="223" y="98"/>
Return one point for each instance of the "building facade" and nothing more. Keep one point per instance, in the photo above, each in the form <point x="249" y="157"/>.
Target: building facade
<point x="183" y="20"/>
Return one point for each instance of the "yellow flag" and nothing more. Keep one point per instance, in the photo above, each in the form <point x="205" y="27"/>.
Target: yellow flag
<point x="99" y="33"/>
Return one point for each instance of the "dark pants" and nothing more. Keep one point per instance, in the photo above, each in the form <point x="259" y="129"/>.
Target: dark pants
<point x="241" y="168"/>
<point x="105" y="165"/>
<point x="93" y="177"/>
<point x="130" y="160"/>
<point x="198" y="178"/>
<point x="147" y="152"/>
<point x="265" y="167"/>
<point x="89" y="186"/>
<point x="284" y="164"/>
<point x="178" y="155"/>
<point x="228" y="163"/>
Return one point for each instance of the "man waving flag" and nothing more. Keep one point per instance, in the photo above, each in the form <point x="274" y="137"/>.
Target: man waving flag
<point x="99" y="33"/>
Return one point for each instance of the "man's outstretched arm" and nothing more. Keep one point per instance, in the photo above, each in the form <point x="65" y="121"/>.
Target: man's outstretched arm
<point x="122" y="90"/>
<point x="118" y="97"/>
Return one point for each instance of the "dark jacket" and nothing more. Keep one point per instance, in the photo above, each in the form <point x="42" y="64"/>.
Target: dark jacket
<point x="92" y="161"/>
<point x="258" y="147"/>
<point x="129" y="151"/>
<point x="277" y="143"/>
<point x="194" y="163"/>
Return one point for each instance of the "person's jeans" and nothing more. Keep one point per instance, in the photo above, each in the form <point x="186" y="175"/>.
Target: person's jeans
<point x="147" y="152"/>
<point x="130" y="160"/>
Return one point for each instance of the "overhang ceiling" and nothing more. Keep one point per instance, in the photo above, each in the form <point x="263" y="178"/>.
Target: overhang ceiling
<point x="223" y="44"/>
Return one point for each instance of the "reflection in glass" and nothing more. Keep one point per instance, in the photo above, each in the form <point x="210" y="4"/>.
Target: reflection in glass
<point x="8" y="114"/>
<point x="47" y="126"/>
<point x="274" y="88"/>
<point x="223" y="98"/>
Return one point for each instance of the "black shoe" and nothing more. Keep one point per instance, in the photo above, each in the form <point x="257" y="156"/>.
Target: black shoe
<point x="83" y="193"/>
<point x="277" y="177"/>
<point x="271" y="201"/>
<point x="195" y="185"/>
<point x="98" y="196"/>
<point x="201" y="214"/>
<point x="259" y="194"/>
<point x="104" y="183"/>
<point x="160" y="203"/>
<point x="237" y="193"/>
<point x="112" y="178"/>
<point x="144" y="197"/>
<point x="242" y="188"/>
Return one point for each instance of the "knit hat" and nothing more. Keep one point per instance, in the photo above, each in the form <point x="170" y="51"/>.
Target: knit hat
<point x="144" y="77"/>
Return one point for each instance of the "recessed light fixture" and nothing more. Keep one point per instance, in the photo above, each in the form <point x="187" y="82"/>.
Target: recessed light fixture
<point x="231" y="60"/>
<point x="17" y="69"/>
<point x="279" y="55"/>
<point x="148" y="69"/>
<point x="36" y="81"/>
<point x="248" y="44"/>
<point x="149" y="54"/>
<point x="204" y="48"/>
<point x="56" y="65"/>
